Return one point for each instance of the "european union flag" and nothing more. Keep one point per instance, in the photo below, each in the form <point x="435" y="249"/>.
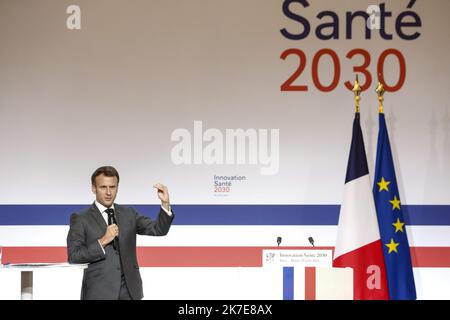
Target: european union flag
<point x="391" y="223"/>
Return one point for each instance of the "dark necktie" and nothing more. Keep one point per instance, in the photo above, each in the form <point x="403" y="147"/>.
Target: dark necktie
<point x="112" y="220"/>
<point x="111" y="217"/>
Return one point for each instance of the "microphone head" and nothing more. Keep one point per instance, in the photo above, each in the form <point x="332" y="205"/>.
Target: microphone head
<point x="278" y="240"/>
<point x="311" y="240"/>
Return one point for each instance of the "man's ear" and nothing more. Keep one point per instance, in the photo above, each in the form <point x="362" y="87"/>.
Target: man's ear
<point x="94" y="189"/>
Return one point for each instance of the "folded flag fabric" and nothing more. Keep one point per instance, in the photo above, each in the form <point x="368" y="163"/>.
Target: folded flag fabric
<point x="396" y="250"/>
<point x="358" y="243"/>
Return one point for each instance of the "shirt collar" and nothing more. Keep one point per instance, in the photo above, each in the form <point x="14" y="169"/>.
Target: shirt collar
<point x="101" y="207"/>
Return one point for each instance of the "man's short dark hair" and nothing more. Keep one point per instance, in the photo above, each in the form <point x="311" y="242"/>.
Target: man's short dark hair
<point x="108" y="171"/>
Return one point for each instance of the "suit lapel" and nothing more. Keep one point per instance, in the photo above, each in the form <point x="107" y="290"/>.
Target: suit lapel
<point x="118" y="217"/>
<point x="97" y="216"/>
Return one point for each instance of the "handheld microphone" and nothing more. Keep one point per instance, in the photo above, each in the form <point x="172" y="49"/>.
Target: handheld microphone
<point x="278" y="240"/>
<point x="113" y="218"/>
<point x="311" y="240"/>
<point x="116" y="238"/>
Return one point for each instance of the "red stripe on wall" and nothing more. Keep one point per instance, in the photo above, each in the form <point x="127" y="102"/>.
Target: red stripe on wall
<point x="310" y="283"/>
<point x="432" y="257"/>
<point x="423" y="257"/>
<point x="200" y="256"/>
<point x="34" y="254"/>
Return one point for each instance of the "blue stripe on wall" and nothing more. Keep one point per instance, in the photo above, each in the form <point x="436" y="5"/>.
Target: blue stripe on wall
<point x="288" y="283"/>
<point x="223" y="214"/>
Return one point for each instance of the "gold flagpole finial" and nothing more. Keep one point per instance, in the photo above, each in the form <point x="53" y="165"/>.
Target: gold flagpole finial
<point x="357" y="91"/>
<point x="380" y="92"/>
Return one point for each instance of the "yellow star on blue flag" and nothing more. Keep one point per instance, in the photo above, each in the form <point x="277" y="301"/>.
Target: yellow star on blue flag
<point x="392" y="246"/>
<point x="395" y="203"/>
<point x="398" y="225"/>
<point x="383" y="184"/>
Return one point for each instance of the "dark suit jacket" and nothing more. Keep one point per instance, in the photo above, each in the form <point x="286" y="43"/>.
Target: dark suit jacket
<point x="102" y="278"/>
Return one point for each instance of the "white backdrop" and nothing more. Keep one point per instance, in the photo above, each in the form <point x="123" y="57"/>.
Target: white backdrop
<point x="115" y="90"/>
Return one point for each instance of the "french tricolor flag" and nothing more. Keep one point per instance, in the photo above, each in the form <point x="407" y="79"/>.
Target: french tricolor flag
<point x="358" y="243"/>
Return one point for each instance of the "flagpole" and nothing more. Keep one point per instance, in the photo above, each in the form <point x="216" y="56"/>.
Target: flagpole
<point x="380" y="92"/>
<point x="357" y="91"/>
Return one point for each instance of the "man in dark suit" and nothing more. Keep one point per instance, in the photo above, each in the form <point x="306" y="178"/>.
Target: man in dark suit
<point x="104" y="236"/>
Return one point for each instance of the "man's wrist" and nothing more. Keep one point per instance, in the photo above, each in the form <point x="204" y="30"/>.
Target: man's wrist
<point x="102" y="242"/>
<point x="101" y="246"/>
<point x="165" y="205"/>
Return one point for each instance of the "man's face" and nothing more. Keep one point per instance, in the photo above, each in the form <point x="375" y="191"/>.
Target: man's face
<point x="105" y="189"/>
